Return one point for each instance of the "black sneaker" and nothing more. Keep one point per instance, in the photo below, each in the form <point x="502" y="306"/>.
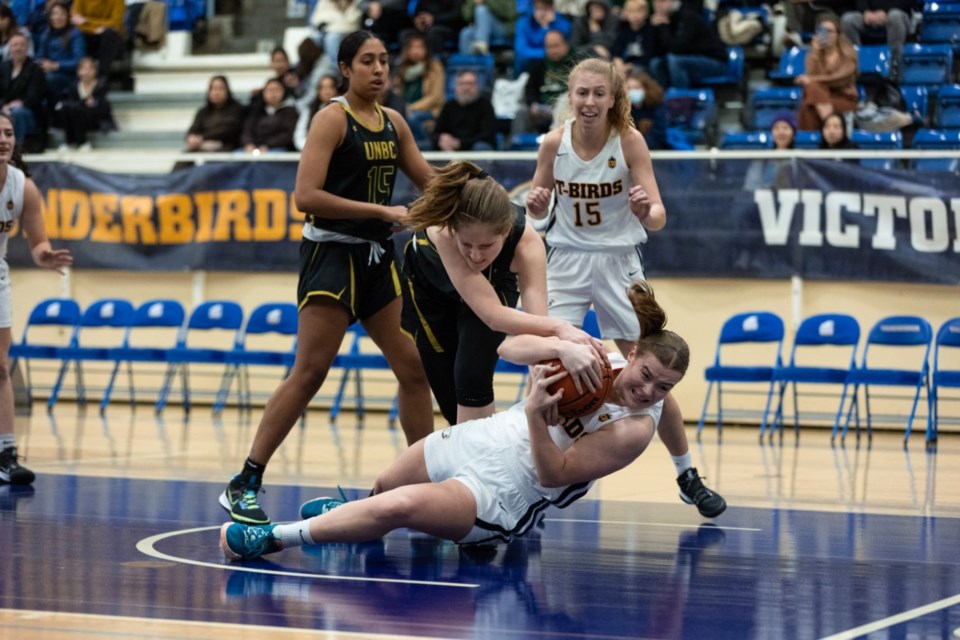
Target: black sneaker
<point x="10" y="469"/>
<point x="240" y="501"/>
<point x="693" y="491"/>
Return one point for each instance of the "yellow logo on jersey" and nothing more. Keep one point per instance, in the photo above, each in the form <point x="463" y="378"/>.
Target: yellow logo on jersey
<point x="603" y="417"/>
<point x="9" y="205"/>
<point x="380" y="150"/>
<point x="612" y="162"/>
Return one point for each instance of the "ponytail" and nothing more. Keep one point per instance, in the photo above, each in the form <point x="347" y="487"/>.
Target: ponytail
<point x="668" y="347"/>
<point x="462" y="193"/>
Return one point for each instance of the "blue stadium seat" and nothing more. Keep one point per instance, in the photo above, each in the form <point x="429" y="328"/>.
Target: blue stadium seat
<point x="734" y="74"/>
<point x="877" y="140"/>
<point x="943" y="139"/>
<point x="56" y="319"/>
<point x="873" y="61"/>
<point x="183" y="14"/>
<point x="744" y="140"/>
<point x="793" y="62"/>
<point x="917" y="99"/>
<point x="926" y="64"/>
<point x="941" y="23"/>
<point x="692" y="111"/>
<point x="765" y="104"/>
<point x="947" y="107"/>
<point x="807" y="140"/>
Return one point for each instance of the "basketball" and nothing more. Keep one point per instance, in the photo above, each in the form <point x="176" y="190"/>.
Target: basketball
<point x="573" y="404"/>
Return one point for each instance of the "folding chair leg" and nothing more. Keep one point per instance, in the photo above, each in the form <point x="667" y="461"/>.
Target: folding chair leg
<point x="108" y="390"/>
<point x="913" y="411"/>
<point x="164" y="394"/>
<point x="337" y="403"/>
<point x="226" y="381"/>
<point x="81" y="387"/>
<point x="185" y="387"/>
<point x="130" y="388"/>
<point x="358" y="386"/>
<point x="55" y="391"/>
<point x="854" y="409"/>
<point x="719" y="409"/>
<point x="866" y="398"/>
<point x="932" y="427"/>
<point x="703" y="414"/>
<point x="394" y="413"/>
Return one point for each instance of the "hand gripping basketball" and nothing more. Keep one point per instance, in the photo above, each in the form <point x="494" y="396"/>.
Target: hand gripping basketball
<point x="574" y="404"/>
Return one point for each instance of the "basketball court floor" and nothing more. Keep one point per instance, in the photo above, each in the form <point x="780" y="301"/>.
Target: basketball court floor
<point x="118" y="538"/>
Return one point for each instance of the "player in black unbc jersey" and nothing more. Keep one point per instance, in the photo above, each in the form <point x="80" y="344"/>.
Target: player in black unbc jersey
<point x="472" y="257"/>
<point x="347" y="272"/>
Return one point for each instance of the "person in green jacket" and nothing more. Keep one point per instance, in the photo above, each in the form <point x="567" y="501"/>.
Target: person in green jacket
<point x="486" y="20"/>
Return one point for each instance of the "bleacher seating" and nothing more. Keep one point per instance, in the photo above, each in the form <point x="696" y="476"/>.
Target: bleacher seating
<point x="765" y="104"/>
<point x="877" y="140"/>
<point x="942" y="139"/>
<point x="947" y="107"/>
<point x="941" y="23"/>
<point x="734" y="76"/>
<point x="746" y="140"/>
<point x="926" y="64"/>
<point x="692" y="111"/>
<point x="793" y="62"/>
<point x="917" y="101"/>
<point x="807" y="140"/>
<point x="873" y="61"/>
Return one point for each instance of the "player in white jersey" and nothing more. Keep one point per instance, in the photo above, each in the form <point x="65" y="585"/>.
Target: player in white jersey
<point x="464" y="485"/>
<point x="598" y="167"/>
<point x="19" y="202"/>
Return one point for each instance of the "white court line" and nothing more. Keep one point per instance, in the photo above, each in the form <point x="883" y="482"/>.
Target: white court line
<point x="897" y="619"/>
<point x="649" y="524"/>
<point x="146" y="547"/>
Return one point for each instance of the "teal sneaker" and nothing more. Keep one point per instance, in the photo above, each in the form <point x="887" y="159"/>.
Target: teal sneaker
<point x="243" y="542"/>
<point x="240" y="500"/>
<point x="318" y="506"/>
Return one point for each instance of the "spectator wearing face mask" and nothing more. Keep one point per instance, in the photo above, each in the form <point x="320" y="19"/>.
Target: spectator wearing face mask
<point x="647" y="109"/>
<point x="467" y="123"/>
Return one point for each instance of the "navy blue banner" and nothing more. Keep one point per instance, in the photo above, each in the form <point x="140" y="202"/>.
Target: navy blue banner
<point x="726" y="218"/>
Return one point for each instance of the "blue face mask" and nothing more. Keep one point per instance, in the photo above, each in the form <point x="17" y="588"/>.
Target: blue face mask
<point x="636" y="96"/>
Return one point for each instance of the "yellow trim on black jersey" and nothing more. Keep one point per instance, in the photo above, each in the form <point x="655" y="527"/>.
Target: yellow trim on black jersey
<point x="423" y="321"/>
<point x="396" y="278"/>
<point x="329" y="294"/>
<point x="383" y="117"/>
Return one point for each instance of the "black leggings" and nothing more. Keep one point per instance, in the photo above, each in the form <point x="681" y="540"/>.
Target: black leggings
<point x="463" y="373"/>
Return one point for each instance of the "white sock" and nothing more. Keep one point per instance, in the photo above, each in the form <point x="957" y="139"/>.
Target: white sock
<point x="295" y="534"/>
<point x="6" y="440"/>
<point x="682" y="463"/>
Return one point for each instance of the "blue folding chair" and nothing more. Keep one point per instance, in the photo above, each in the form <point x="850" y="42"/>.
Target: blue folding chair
<point x="266" y="320"/>
<point x="948" y="337"/>
<point x="150" y="319"/>
<point x="824" y="350"/>
<point x="917" y="99"/>
<point x="793" y="62"/>
<point x="941" y="23"/>
<point x="892" y="333"/>
<point x="210" y="320"/>
<point x="354" y="361"/>
<point x="107" y="320"/>
<point x="751" y="328"/>
<point x="63" y="314"/>
<point x="734" y="74"/>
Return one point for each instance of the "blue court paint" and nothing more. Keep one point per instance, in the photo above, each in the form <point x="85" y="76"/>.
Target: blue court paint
<point x="615" y="570"/>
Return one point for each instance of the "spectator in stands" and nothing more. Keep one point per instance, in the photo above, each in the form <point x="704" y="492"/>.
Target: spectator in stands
<point x="486" y="20"/>
<point x="325" y="92"/>
<point x="386" y="18"/>
<point x="85" y="107"/>
<point x="390" y="96"/>
<point x="830" y="82"/>
<point x="892" y="16"/>
<point x="439" y="21"/>
<point x="59" y="50"/>
<point x="647" y="109"/>
<point x="101" y="22"/>
<point x="8" y="27"/>
<point x="784" y="131"/>
<point x="285" y="73"/>
<point x="594" y="33"/>
<point x="547" y="83"/>
<point x="332" y="20"/>
<point x="833" y="133"/>
<point x="310" y="67"/>
<point x="21" y="92"/>
<point x="37" y="18"/>
<point x="529" y="41"/>
<point x="218" y="124"/>
<point x="271" y="125"/>
<point x="634" y="45"/>
<point x="467" y="123"/>
<point x="804" y="15"/>
<point x="422" y="85"/>
<point x="689" y="48"/>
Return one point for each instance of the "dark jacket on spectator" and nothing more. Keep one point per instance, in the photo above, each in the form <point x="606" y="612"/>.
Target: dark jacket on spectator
<point x="548" y="79"/>
<point x="266" y="127"/>
<point x="635" y="47"/>
<point x="445" y="13"/>
<point x="470" y="123"/>
<point x="688" y="33"/>
<point x="29" y="86"/>
<point x="581" y="38"/>
<point x="651" y="121"/>
<point x="78" y="116"/>
<point x="224" y="124"/>
<point x="65" y="46"/>
<point x="873" y="5"/>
